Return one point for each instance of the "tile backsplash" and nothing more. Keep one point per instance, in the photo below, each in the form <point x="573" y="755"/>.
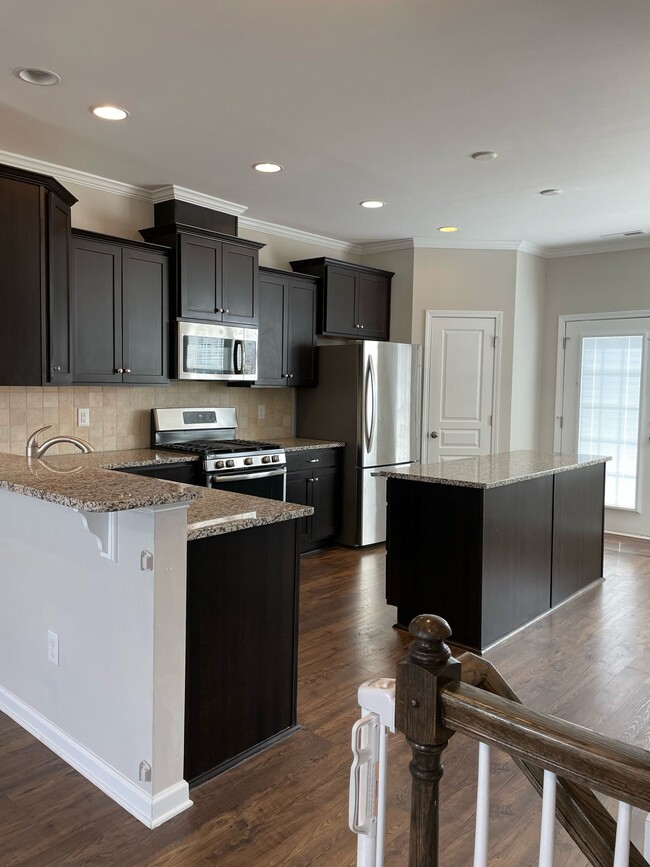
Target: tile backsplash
<point x="120" y="417"/>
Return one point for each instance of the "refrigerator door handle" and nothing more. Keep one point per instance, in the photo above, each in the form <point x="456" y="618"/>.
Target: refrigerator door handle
<point x="370" y="405"/>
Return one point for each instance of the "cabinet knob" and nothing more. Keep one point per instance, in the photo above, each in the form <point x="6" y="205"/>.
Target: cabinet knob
<point x="57" y="367"/>
<point x="120" y="370"/>
<point x="316" y="479"/>
<point x="225" y="311"/>
<point x="290" y="376"/>
<point x="127" y="370"/>
<point x="361" y="326"/>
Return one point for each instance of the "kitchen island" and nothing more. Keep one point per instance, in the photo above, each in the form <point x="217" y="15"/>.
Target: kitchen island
<point x="136" y="622"/>
<point x="491" y="543"/>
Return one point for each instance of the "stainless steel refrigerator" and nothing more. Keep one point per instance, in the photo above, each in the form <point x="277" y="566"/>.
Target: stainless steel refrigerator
<point x="368" y="396"/>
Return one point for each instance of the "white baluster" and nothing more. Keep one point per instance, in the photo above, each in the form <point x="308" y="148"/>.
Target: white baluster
<point x="482" y="807"/>
<point x="622" y="850"/>
<point x="547" y="834"/>
<point x="646" y="847"/>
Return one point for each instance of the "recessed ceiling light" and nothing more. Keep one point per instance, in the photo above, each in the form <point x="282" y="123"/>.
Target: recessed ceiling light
<point x="484" y="156"/>
<point x="110" y="112"/>
<point x="372" y="203"/>
<point x="267" y="168"/>
<point x="447" y="228"/>
<point x="33" y="75"/>
<point x="550" y="192"/>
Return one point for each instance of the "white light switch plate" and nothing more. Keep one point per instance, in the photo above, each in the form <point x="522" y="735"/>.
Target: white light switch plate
<point x="261" y="411"/>
<point x="52" y="647"/>
<point x="83" y="417"/>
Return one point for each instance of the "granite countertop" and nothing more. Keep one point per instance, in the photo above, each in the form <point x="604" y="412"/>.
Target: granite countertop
<point x="217" y="512"/>
<point x="87" y="482"/>
<point x="493" y="471"/>
<point x="302" y="444"/>
<point x="75" y="481"/>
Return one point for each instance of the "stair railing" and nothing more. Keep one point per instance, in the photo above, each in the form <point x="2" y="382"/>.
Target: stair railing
<point x="437" y="696"/>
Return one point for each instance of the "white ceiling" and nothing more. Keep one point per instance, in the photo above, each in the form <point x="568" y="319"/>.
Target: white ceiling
<point x="357" y="99"/>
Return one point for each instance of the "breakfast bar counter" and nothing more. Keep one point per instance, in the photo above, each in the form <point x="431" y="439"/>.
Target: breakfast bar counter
<point x="492" y="542"/>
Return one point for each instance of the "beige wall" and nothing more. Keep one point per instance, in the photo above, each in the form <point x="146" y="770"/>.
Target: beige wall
<point x="280" y="251"/>
<point x="100" y="211"/>
<point x="527" y="351"/>
<point x="596" y="283"/>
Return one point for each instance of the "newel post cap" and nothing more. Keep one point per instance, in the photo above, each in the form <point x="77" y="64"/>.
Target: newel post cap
<point x="430" y="633"/>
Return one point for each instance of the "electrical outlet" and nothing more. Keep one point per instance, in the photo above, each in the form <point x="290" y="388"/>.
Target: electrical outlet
<point x="52" y="647"/>
<point x="83" y="417"/>
<point x="261" y="411"/>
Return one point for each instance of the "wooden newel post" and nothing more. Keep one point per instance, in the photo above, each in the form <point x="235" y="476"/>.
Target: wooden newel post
<point x="421" y="675"/>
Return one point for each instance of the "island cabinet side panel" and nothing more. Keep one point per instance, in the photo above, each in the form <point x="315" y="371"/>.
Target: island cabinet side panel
<point x="578" y="515"/>
<point x="517" y="545"/>
<point x="434" y="555"/>
<point x="242" y="639"/>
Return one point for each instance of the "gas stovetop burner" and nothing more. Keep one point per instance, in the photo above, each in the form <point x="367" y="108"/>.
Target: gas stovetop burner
<point x="207" y="447"/>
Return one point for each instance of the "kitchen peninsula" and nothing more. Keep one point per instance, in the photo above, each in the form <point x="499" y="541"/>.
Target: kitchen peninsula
<point x="492" y="542"/>
<point x="137" y="618"/>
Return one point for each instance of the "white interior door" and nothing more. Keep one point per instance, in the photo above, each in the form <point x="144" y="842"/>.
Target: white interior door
<point x="605" y="412"/>
<point x="460" y="394"/>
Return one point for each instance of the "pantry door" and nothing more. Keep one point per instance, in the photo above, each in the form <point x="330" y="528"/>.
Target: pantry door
<point x="461" y="363"/>
<point x="605" y="410"/>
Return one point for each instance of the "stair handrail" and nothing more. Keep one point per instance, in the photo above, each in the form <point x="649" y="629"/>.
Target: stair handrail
<point x="437" y="696"/>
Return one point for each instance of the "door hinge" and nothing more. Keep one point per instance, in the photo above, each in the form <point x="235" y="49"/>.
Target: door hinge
<point x="490" y="421"/>
<point x="564" y="340"/>
<point x="494" y="340"/>
<point x="561" y="422"/>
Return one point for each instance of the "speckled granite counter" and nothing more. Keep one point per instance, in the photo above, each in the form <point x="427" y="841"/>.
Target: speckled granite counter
<point x="218" y="512"/>
<point x="493" y="471"/>
<point x="301" y="444"/>
<point x="86" y="482"/>
<point x="69" y="480"/>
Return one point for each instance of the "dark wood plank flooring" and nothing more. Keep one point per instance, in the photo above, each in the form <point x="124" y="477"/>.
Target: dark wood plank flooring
<point x="588" y="662"/>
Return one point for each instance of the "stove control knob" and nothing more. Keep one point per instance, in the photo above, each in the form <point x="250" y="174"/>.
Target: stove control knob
<point x="230" y="463"/>
<point x="266" y="459"/>
<point x="248" y="461"/>
<point x="220" y="465"/>
<point x="275" y="458"/>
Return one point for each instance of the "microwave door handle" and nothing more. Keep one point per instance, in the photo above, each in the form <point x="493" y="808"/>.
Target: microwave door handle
<point x="238" y="356"/>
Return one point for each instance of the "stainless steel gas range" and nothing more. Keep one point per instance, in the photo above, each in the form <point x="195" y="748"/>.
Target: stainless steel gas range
<point x="229" y="464"/>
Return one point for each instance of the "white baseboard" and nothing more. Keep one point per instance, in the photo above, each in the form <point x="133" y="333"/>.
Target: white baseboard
<point x="151" y="810"/>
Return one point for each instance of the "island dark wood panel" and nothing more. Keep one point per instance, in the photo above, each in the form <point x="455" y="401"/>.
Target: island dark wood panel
<point x="242" y="639"/>
<point x="490" y="560"/>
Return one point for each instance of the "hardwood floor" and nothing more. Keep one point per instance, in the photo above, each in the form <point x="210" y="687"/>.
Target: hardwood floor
<point x="589" y="662"/>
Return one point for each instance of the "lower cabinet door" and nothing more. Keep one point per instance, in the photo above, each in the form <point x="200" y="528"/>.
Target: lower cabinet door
<point x="325" y="496"/>
<point x="298" y="491"/>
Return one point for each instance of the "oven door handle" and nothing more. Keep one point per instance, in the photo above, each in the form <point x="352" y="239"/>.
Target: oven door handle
<point x="240" y="477"/>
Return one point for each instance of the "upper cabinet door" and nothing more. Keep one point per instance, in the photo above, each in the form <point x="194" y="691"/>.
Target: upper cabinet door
<point x="97" y="311"/>
<point x="301" y="328"/>
<point x="271" y="356"/>
<point x="339" y="314"/>
<point x="145" y="322"/>
<point x="373" y="306"/>
<point x="59" y="352"/>
<point x="239" y="284"/>
<point x="200" y="278"/>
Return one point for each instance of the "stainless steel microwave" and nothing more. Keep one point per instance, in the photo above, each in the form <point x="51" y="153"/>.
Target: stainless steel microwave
<point x="213" y="351"/>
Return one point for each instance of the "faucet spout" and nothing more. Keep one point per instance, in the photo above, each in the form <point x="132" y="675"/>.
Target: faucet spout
<point x="33" y="450"/>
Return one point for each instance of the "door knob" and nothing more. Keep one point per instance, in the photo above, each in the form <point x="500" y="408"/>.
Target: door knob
<point x="434" y="434"/>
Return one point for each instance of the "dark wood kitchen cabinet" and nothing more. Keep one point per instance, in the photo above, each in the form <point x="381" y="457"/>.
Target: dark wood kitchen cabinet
<point x="314" y="478"/>
<point x="215" y="275"/>
<point x="34" y="279"/>
<point x="242" y="645"/>
<point x="287" y="331"/>
<point x="354" y="301"/>
<point x="120" y="310"/>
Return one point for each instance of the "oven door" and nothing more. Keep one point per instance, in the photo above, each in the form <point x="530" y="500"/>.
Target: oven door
<point x="207" y="351"/>
<point x="271" y="484"/>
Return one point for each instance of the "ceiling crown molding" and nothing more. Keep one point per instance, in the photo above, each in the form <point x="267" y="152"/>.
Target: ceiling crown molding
<point x="299" y="235"/>
<point x="366" y="248"/>
<point x="618" y="246"/>
<point x="74" y="176"/>
<point x="170" y="191"/>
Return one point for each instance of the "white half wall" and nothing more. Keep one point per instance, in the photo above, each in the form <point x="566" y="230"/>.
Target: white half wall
<point x="114" y="706"/>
